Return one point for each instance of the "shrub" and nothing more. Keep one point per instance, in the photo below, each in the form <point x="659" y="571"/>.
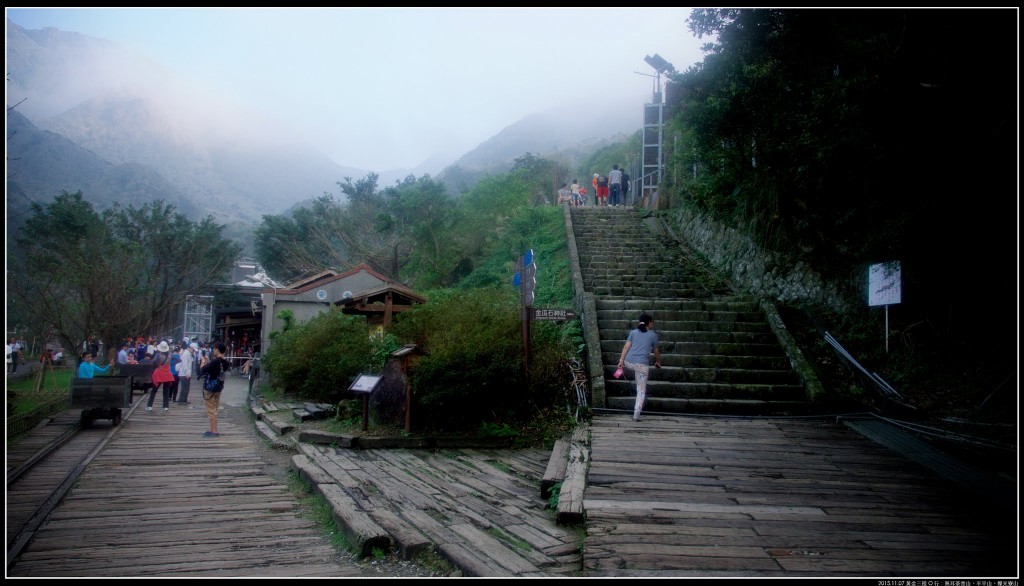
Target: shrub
<point x="320" y="357"/>
<point x="473" y="371"/>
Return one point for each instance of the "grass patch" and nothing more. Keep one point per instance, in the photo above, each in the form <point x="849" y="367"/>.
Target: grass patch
<point x="515" y="541"/>
<point x="314" y="506"/>
<point x="503" y="466"/>
<point x="23" y="397"/>
<point x="553" y="498"/>
<point x="435" y="562"/>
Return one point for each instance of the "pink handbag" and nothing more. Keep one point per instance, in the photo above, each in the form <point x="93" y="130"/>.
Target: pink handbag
<point x="618" y="373"/>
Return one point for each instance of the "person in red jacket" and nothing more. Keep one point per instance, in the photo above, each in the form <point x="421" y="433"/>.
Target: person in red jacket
<point x="162" y="376"/>
<point x="602" y="190"/>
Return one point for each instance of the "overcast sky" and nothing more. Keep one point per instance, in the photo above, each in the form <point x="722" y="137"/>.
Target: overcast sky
<point x="389" y="88"/>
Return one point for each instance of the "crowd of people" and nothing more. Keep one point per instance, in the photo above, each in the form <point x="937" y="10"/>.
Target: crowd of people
<point x="177" y="364"/>
<point x="14" y="353"/>
<point x="610" y="190"/>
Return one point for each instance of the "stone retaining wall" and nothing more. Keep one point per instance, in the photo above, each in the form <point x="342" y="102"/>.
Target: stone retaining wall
<point x="762" y="273"/>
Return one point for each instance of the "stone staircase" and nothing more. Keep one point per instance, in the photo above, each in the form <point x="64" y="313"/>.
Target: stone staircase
<point x="720" y="352"/>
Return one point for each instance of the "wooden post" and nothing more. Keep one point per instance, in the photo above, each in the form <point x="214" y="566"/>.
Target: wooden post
<point x="408" y="395"/>
<point x="366" y="411"/>
<point x="388" y="301"/>
<point x="526" y="344"/>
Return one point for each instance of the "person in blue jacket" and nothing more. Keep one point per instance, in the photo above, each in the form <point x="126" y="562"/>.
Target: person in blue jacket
<point x="88" y="369"/>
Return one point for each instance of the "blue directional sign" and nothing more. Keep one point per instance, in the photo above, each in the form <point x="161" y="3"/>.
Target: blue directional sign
<point x="526" y="277"/>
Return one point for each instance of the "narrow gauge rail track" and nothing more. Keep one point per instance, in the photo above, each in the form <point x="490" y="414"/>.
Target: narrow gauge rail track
<point x="41" y="472"/>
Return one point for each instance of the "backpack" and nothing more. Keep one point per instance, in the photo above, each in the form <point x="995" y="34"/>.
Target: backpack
<point x="175" y="361"/>
<point x="214" y="383"/>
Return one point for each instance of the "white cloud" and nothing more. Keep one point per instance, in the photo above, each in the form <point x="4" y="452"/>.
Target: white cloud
<point x="388" y="88"/>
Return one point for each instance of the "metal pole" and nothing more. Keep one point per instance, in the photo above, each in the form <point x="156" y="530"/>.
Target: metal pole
<point x="886" y="329"/>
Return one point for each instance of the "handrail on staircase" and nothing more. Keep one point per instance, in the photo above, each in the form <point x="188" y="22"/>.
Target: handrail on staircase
<point x="647" y="182"/>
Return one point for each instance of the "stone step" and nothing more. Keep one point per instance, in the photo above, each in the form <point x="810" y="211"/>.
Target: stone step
<point x="646" y="291"/>
<point x="720" y="391"/>
<point x="613" y="316"/>
<point x="671" y="337"/>
<point x="736" y="303"/>
<point x="676" y="374"/>
<point x="702" y="348"/>
<point x="712" y="406"/>
<point x="665" y="325"/>
<point x="709" y="361"/>
<point x="627" y="271"/>
<point x="718" y="352"/>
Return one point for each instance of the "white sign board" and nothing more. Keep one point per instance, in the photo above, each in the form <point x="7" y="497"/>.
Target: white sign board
<point x="364" y="384"/>
<point x="884" y="283"/>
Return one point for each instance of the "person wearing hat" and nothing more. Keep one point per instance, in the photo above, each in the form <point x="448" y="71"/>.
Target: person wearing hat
<point x="162" y="376"/>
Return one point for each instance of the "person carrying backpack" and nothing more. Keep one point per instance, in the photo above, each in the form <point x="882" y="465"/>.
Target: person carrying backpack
<point x="214" y="369"/>
<point x="602" y="190"/>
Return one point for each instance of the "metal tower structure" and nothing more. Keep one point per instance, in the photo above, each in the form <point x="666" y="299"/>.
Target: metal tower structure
<point x="653" y="155"/>
<point x="198" y="317"/>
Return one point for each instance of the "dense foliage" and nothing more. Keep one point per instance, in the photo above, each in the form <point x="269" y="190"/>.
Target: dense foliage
<point x="844" y="138"/>
<point x="319" y="357"/>
<point x="460" y="252"/>
<point x="113" y="273"/>
<point x="474" y="371"/>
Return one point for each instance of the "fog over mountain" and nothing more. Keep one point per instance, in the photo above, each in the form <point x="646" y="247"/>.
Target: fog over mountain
<point x="94" y="112"/>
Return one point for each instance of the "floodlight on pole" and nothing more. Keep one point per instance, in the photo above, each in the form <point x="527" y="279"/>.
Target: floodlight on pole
<point x="652" y="160"/>
<point x="659" y="64"/>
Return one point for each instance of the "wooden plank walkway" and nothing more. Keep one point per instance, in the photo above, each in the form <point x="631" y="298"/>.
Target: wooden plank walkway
<point x="164" y="501"/>
<point x="670" y="496"/>
<point x="481" y="509"/>
<point x="691" y="496"/>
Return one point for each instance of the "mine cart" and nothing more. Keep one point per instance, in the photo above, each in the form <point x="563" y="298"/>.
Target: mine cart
<point x="102" y="397"/>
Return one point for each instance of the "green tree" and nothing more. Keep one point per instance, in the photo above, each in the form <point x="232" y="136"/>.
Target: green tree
<point x="115" y="273"/>
<point x="320" y="357"/>
<point x="421" y="214"/>
<point x="542" y="177"/>
<point x="845" y="138"/>
<point x="622" y="153"/>
<point x="333" y="233"/>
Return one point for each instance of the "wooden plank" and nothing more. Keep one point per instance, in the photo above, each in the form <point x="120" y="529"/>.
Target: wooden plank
<point x="309" y="471"/>
<point x="570" y="496"/>
<point x="555" y="472"/>
<point x="362" y="532"/>
<point x="486" y="546"/>
<point x="468" y="562"/>
<point x="409" y="541"/>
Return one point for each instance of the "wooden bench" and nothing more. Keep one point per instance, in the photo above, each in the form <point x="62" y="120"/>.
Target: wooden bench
<point x="101" y="397"/>
<point x="140" y="375"/>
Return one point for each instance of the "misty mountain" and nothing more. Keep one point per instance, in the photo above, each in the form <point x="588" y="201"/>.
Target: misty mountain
<point x="41" y="164"/>
<point x="128" y="111"/>
<point x="567" y="133"/>
<point x="90" y="115"/>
